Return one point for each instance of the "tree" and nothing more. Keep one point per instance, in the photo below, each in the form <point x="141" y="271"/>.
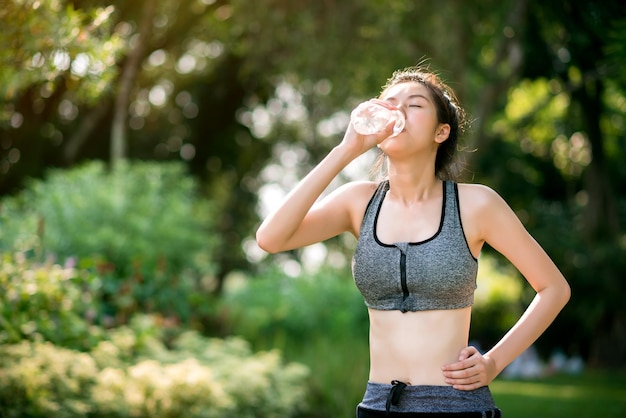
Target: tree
<point x="53" y="60"/>
<point x="127" y="77"/>
<point x="564" y="114"/>
<point x="251" y="94"/>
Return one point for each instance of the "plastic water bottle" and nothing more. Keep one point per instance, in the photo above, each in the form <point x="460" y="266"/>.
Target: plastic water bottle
<point x="370" y="117"/>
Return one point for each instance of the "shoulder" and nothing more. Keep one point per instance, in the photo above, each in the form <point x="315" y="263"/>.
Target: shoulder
<point x="357" y="189"/>
<point x="351" y="197"/>
<point x="484" y="207"/>
<point x="354" y="198"/>
<point x="478" y="196"/>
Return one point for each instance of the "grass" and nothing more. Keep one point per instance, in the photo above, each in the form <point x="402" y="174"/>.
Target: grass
<point x="591" y="394"/>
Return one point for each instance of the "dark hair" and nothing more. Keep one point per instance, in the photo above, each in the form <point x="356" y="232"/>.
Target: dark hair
<point x="449" y="111"/>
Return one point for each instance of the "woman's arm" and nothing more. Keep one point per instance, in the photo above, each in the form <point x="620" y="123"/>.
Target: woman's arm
<point x="499" y="227"/>
<point x="299" y="221"/>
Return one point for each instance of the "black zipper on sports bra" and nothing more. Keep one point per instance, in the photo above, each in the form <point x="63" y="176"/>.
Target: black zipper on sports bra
<point x="405" y="289"/>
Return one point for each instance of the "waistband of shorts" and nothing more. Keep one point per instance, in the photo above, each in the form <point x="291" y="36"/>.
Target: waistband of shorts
<point x="366" y="413"/>
<point x="427" y="399"/>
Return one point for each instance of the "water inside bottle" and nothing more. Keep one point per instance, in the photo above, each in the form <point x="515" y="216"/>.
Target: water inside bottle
<point x="369" y="118"/>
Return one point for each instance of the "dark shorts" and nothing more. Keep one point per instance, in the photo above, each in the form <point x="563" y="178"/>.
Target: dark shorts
<point x="420" y="401"/>
<point x="366" y="413"/>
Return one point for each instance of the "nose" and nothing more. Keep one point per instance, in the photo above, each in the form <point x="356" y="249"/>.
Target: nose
<point x="401" y="107"/>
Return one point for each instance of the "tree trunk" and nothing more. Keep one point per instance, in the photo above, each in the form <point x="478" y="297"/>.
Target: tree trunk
<point x="130" y="68"/>
<point x="601" y="226"/>
<point x="601" y="219"/>
<point x="87" y="126"/>
<point x="508" y="49"/>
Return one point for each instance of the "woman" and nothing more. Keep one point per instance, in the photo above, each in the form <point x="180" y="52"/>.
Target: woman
<point x="419" y="238"/>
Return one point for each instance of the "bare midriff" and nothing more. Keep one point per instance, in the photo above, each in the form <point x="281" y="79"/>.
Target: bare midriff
<point x="412" y="346"/>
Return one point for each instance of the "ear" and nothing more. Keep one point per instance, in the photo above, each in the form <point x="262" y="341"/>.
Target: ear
<point x="442" y="133"/>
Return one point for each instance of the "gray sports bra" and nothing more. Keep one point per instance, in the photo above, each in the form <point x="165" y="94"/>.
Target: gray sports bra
<point x="437" y="273"/>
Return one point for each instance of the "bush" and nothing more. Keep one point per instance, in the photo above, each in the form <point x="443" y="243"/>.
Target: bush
<point x="143" y="228"/>
<point x="199" y="377"/>
<point x="42" y="380"/>
<point x="134" y="240"/>
<point x="319" y="320"/>
<point x="273" y="306"/>
<point x="48" y="302"/>
<point x="498" y="302"/>
<point x="202" y="377"/>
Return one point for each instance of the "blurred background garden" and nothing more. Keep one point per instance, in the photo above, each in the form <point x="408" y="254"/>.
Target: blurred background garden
<point x="141" y="142"/>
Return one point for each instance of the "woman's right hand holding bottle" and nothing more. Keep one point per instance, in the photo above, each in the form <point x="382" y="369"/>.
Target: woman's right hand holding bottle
<point x="372" y="122"/>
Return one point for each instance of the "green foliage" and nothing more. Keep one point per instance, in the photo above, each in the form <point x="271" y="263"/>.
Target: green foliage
<point x="595" y="272"/>
<point x="49" y="39"/>
<point x="498" y="301"/>
<point x="198" y="378"/>
<point x="148" y="241"/>
<point x="145" y="369"/>
<point x="143" y="228"/>
<point x="39" y="379"/>
<point x="318" y="319"/>
<point x="541" y="100"/>
<point x="274" y="306"/>
<point x="47" y="302"/>
<point x="616" y="49"/>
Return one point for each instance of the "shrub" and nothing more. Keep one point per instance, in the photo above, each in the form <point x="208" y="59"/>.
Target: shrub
<point x="198" y="378"/>
<point x="498" y="301"/>
<point x="318" y="319"/>
<point x="274" y="306"/>
<point x="48" y="302"/>
<point x="143" y="228"/>
<point x="42" y="380"/>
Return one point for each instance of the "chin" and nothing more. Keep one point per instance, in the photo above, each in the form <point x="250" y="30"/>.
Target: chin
<point x="389" y="144"/>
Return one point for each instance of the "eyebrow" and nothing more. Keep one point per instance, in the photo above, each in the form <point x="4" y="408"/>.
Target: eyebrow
<point x="415" y="96"/>
<point x="412" y="96"/>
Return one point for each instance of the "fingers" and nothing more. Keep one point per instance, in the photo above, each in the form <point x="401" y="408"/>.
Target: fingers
<point x="378" y="137"/>
<point x="468" y="378"/>
<point x="467" y="352"/>
<point x="357" y="142"/>
<point x="470" y="372"/>
<point x="369" y="140"/>
<point x="384" y="103"/>
<point x="465" y="360"/>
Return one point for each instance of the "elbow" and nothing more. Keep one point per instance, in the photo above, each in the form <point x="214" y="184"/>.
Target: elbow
<point x="265" y="246"/>
<point x="564" y="293"/>
<point x="557" y="295"/>
<point x="567" y="293"/>
<point x="266" y="243"/>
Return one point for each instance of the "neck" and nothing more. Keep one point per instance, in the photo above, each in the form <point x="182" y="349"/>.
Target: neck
<point x="411" y="186"/>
